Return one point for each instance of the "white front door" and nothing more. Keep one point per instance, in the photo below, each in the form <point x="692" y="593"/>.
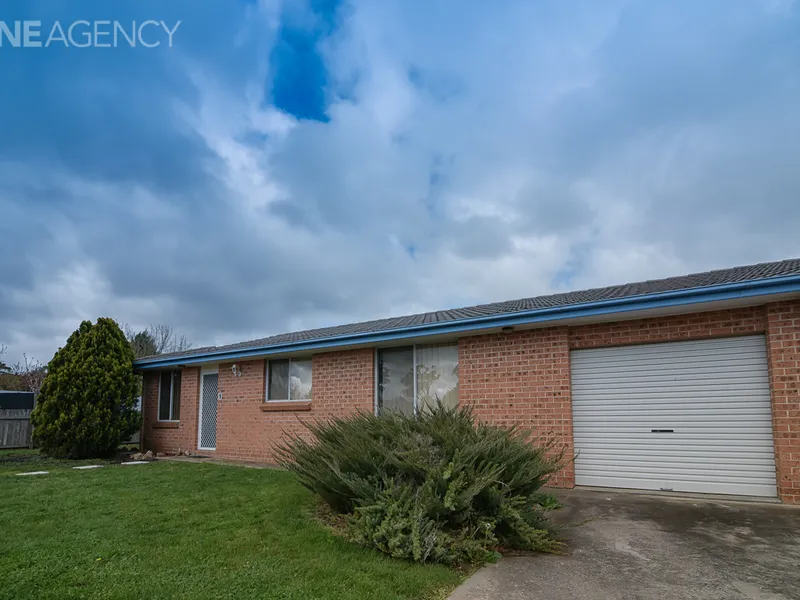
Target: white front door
<point x="207" y="436"/>
<point x="683" y="416"/>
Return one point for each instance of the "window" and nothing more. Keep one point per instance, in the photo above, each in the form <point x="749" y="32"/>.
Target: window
<point x="289" y="380"/>
<point x="396" y="380"/>
<point x="412" y="378"/>
<point x="169" y="396"/>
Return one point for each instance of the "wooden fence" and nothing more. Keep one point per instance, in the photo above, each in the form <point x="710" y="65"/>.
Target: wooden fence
<point x="15" y="428"/>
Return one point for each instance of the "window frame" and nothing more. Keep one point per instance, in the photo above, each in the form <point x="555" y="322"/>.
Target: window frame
<point x="171" y="397"/>
<point x="288" y="379"/>
<point x="414" y="365"/>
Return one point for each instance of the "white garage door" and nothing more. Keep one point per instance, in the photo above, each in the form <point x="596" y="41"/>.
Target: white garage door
<point x="683" y="416"/>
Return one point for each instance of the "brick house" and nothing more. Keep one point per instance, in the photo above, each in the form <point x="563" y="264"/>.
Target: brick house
<point x="687" y="383"/>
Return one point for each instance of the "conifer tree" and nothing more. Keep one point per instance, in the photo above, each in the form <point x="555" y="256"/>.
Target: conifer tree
<point x="87" y="404"/>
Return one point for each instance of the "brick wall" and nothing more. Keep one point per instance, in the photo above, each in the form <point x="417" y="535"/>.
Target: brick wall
<point x="515" y="378"/>
<point x="783" y="346"/>
<point x="242" y="431"/>
<point x="171" y="437"/>
<point x="248" y="427"/>
<point x="721" y="323"/>
<point x="344" y="382"/>
<point x="521" y="378"/>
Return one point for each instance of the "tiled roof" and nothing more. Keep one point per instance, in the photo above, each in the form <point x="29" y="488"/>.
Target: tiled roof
<point x="684" y="282"/>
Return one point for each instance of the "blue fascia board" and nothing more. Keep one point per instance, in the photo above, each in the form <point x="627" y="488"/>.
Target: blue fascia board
<point x="731" y="291"/>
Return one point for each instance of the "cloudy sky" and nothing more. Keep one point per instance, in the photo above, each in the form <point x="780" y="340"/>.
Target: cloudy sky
<point x="296" y="164"/>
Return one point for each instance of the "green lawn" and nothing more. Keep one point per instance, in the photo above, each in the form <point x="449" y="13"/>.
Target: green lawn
<point x="179" y="530"/>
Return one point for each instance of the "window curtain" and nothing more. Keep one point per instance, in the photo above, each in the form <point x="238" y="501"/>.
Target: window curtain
<point x="176" y="395"/>
<point x="278" y="380"/>
<point x="396" y="380"/>
<point x="300" y="380"/>
<point x="437" y="376"/>
<point x="165" y="385"/>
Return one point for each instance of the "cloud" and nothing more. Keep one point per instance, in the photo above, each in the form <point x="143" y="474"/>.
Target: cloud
<point x="291" y="165"/>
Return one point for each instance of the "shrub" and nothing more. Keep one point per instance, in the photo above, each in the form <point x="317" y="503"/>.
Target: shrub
<point x="87" y="404"/>
<point x="435" y="488"/>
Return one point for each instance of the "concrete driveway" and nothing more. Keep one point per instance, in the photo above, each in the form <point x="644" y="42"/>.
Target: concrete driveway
<point x="630" y="546"/>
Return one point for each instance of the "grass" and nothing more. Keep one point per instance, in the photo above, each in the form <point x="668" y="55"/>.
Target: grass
<point x="21" y="460"/>
<point x="180" y="530"/>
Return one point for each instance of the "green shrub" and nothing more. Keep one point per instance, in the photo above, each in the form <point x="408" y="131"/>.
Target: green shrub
<point x="87" y="404"/>
<point x="435" y="488"/>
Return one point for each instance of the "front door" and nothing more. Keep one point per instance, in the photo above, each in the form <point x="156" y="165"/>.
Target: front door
<point x="208" y="412"/>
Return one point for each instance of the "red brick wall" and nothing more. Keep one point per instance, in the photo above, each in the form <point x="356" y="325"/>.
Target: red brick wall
<point x="721" y="323"/>
<point x="521" y="378"/>
<point x="516" y="378"/>
<point x="783" y="346"/>
<point x="241" y="430"/>
<point x="171" y="437"/>
<point x="344" y="382"/>
<point x="248" y="427"/>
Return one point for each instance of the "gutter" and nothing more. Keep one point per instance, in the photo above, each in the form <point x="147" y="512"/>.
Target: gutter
<point x="728" y="291"/>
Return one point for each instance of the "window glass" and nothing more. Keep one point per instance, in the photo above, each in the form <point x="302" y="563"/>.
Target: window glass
<point x="437" y="376"/>
<point x="396" y="380"/>
<point x="300" y="379"/>
<point x="163" y="396"/>
<point x="278" y="380"/>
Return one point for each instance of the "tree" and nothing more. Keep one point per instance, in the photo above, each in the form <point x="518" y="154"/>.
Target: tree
<point x="156" y="339"/>
<point x="30" y="373"/>
<point x="167" y="340"/>
<point x="87" y="403"/>
<point x="8" y="380"/>
<point x="25" y="376"/>
<point x="142" y="342"/>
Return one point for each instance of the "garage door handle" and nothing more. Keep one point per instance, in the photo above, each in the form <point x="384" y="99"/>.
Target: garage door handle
<point x="662" y="431"/>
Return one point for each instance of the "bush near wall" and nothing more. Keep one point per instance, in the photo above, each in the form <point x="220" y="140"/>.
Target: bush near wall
<point x="433" y="488"/>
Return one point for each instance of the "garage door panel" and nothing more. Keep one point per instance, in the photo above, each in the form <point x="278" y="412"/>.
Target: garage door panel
<point x="699" y="359"/>
<point x="729" y="476"/>
<point x="676" y="474"/>
<point x="659" y="419"/>
<point x="712" y="394"/>
<point x="708" y="446"/>
<point x="690" y="412"/>
<point x="698" y="402"/>
<point x="652" y="373"/>
<point x="636" y="424"/>
<point x="679" y="461"/>
<point x="742" y="388"/>
<point x="705" y="487"/>
<point x="670" y="380"/>
<point x="653" y="360"/>
<point x="687" y="429"/>
<point x="722" y="346"/>
<point x="675" y="384"/>
<point x="723" y="455"/>
<point x="644" y="439"/>
<point x="742" y="393"/>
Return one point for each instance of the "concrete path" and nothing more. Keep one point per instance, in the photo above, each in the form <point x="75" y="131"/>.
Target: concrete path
<point x="630" y="546"/>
